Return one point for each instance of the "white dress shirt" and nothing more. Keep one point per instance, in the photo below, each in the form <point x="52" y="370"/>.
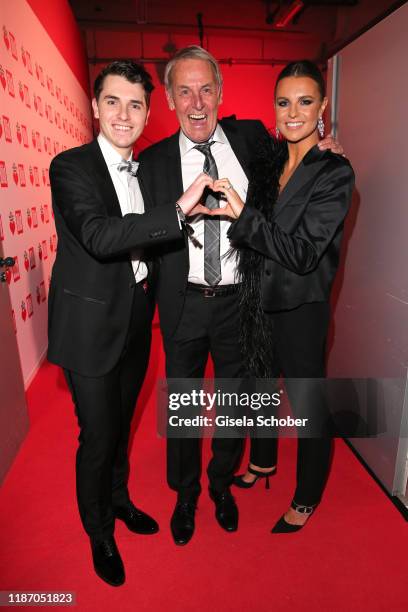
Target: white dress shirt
<point x="129" y="196"/>
<point x="192" y="162"/>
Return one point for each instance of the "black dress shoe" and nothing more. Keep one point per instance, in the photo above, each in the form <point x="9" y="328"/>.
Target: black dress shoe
<point x="226" y="510"/>
<point x="182" y="522"/>
<point x="107" y="562"/>
<point x="136" y="520"/>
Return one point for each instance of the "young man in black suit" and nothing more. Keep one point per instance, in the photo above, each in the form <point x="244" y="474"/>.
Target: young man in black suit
<point x="197" y="291"/>
<point x="100" y="305"/>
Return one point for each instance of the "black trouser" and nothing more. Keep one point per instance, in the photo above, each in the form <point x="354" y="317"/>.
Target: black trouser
<point x="209" y="325"/>
<point x="104" y="407"/>
<point x="299" y="339"/>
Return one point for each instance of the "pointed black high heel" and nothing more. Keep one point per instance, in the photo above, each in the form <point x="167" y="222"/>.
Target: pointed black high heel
<point x="283" y="526"/>
<point x="239" y="481"/>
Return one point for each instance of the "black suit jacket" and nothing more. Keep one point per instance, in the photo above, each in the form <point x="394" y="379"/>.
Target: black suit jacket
<point x="301" y="243"/>
<point x="160" y="171"/>
<point x="92" y="282"/>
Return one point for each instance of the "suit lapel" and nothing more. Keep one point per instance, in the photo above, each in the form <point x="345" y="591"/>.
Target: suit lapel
<point x="237" y="142"/>
<point x="310" y="165"/>
<point x="173" y="169"/>
<point x="104" y="180"/>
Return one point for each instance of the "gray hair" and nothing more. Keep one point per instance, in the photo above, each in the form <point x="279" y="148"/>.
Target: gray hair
<point x="192" y="52"/>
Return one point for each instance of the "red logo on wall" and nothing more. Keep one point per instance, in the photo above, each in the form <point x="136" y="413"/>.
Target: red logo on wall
<point x="38" y="141"/>
<point x="26" y="261"/>
<point x="27" y="97"/>
<point x="16" y="270"/>
<point x="29" y="301"/>
<point x="50" y="85"/>
<point x="34" y="216"/>
<point x="19" y="222"/>
<point x="12" y="223"/>
<point x="10" y="84"/>
<point x="44" y="249"/>
<point x="25" y="136"/>
<point x="54" y="241"/>
<point x="46" y="213"/>
<point x="13" y="45"/>
<point x="26" y="57"/>
<point x="21" y="174"/>
<point x="7" y="129"/>
<point x="2" y="77"/>
<point x="15" y="173"/>
<point x="40" y="255"/>
<point x="31" y="256"/>
<point x="36" y="176"/>
<point x="37" y="293"/>
<point x="39" y="73"/>
<point x="3" y="174"/>
<point x="23" y="310"/>
<point x="42" y="291"/>
<point x="29" y="220"/>
<point x="38" y="105"/>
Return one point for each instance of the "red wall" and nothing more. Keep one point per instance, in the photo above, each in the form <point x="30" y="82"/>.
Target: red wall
<point x="59" y="22"/>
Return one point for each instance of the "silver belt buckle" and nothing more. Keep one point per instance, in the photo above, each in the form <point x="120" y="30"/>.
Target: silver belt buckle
<point x="209" y="292"/>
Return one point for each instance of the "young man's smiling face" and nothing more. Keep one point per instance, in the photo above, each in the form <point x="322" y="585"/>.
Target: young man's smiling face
<point x="195" y="96"/>
<point x="122" y="112"/>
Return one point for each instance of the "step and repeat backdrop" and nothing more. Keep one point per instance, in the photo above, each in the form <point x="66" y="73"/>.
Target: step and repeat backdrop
<point x="43" y="110"/>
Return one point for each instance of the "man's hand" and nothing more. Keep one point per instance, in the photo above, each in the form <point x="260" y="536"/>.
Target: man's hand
<point x="331" y="143"/>
<point x="189" y="201"/>
<point x="234" y="206"/>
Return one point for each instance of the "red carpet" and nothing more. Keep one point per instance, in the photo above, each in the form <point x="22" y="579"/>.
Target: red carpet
<point x="351" y="556"/>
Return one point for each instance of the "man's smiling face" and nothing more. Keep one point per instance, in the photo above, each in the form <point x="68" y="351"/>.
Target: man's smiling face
<point x="195" y="96"/>
<point x="122" y="112"/>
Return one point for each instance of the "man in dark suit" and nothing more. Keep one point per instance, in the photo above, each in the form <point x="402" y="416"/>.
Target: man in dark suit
<point x="197" y="282"/>
<point x="100" y="304"/>
<point x="197" y="290"/>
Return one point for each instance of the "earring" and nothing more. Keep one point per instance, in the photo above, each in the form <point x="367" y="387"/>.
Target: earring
<point x="277" y="132"/>
<point x="320" y="127"/>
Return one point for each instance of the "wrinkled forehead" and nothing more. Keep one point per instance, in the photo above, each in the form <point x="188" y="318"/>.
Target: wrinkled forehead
<point x="192" y="70"/>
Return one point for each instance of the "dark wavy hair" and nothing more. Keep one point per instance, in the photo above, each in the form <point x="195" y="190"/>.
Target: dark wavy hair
<point x="131" y="71"/>
<point x="303" y="68"/>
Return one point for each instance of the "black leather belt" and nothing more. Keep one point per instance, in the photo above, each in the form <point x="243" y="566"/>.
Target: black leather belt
<point x="217" y="291"/>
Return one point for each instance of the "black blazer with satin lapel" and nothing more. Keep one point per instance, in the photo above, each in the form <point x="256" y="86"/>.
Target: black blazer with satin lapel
<point x="160" y="170"/>
<point x="301" y="243"/>
<point x="92" y="282"/>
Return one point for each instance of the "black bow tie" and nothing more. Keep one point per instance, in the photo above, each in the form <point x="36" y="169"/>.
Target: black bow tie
<point x="129" y="166"/>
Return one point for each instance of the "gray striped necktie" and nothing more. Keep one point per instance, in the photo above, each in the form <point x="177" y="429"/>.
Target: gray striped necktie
<point x="212" y="261"/>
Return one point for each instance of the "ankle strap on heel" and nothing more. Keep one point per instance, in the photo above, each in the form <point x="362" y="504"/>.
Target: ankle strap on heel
<point x="302" y="509"/>
<point x="261" y="474"/>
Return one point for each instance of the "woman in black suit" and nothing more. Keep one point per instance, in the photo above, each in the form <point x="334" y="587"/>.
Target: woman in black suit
<point x="289" y="234"/>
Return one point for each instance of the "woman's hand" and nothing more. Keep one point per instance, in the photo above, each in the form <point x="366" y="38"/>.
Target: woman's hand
<point x="234" y="204"/>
